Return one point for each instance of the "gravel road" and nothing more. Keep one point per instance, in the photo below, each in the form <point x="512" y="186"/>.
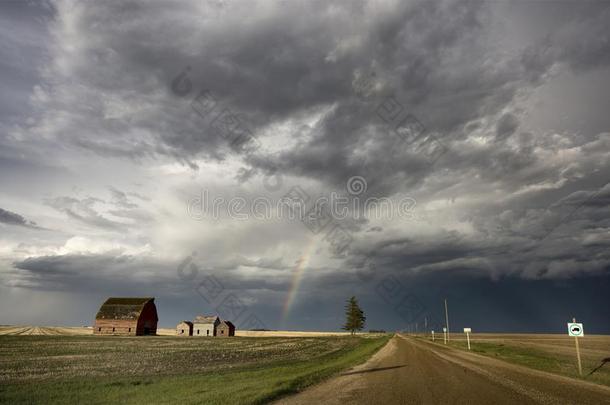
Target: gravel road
<point x="412" y="371"/>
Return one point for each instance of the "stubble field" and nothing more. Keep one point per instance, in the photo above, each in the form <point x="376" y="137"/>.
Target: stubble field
<point x="165" y="369"/>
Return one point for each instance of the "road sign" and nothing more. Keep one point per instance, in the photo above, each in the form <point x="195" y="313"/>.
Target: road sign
<point x="575" y="329"/>
<point x="467" y="330"/>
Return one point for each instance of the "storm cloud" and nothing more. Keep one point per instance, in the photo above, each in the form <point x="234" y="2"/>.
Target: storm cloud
<point x="490" y="116"/>
<point x="11" y="218"/>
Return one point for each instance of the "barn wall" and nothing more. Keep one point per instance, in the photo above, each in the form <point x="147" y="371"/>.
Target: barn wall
<point x="115" y="327"/>
<point x="147" y="322"/>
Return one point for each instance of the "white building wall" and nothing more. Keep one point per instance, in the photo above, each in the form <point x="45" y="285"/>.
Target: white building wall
<point x="203" y="329"/>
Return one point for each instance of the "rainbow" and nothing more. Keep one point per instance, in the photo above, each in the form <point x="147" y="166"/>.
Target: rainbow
<point x="297" y="277"/>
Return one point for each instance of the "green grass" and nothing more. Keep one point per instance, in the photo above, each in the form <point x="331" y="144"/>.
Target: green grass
<point x="235" y="381"/>
<point x="539" y="360"/>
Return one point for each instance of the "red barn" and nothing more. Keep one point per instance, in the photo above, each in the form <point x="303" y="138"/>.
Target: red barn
<point x="127" y="316"/>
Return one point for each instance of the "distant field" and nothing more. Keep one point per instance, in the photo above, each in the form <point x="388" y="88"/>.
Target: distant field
<point x="552" y="353"/>
<point x="44" y="330"/>
<point x="163" y="369"/>
<point x="84" y="330"/>
<point x="287" y="333"/>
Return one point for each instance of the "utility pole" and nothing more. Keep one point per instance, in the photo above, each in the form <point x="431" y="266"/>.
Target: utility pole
<point x="446" y="318"/>
<point x="467" y="332"/>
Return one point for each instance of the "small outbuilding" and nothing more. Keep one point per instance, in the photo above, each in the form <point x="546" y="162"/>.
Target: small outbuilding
<point x="225" y="329"/>
<point x="127" y="316"/>
<point x="205" y="325"/>
<point x="184" y="328"/>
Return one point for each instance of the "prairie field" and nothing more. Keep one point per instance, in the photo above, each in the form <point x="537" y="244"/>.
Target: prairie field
<point x="100" y="369"/>
<point x="87" y="330"/>
<point x="44" y="330"/>
<point x="554" y="353"/>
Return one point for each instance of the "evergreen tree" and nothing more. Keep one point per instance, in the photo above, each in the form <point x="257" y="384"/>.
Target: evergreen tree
<point x="354" y="317"/>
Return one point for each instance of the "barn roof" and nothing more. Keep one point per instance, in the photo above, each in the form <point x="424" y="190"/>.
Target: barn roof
<point x="187" y="322"/>
<point x="205" y="319"/>
<point x="122" y="307"/>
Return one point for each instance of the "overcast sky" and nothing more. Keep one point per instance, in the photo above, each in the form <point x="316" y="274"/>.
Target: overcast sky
<point x="114" y="120"/>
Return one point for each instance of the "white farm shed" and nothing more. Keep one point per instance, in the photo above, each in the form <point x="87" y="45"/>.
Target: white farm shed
<point x="205" y="325"/>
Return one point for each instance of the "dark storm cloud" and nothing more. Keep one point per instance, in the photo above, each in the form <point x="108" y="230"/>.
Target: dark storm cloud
<point x="449" y="77"/>
<point x="11" y="218"/>
<point x="110" y="82"/>
<point x="309" y="54"/>
<point x="489" y="305"/>
<point x="568" y="238"/>
<point x="22" y="45"/>
<point x="91" y="272"/>
<point x="284" y="60"/>
<point x="115" y="271"/>
<point x="590" y="48"/>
